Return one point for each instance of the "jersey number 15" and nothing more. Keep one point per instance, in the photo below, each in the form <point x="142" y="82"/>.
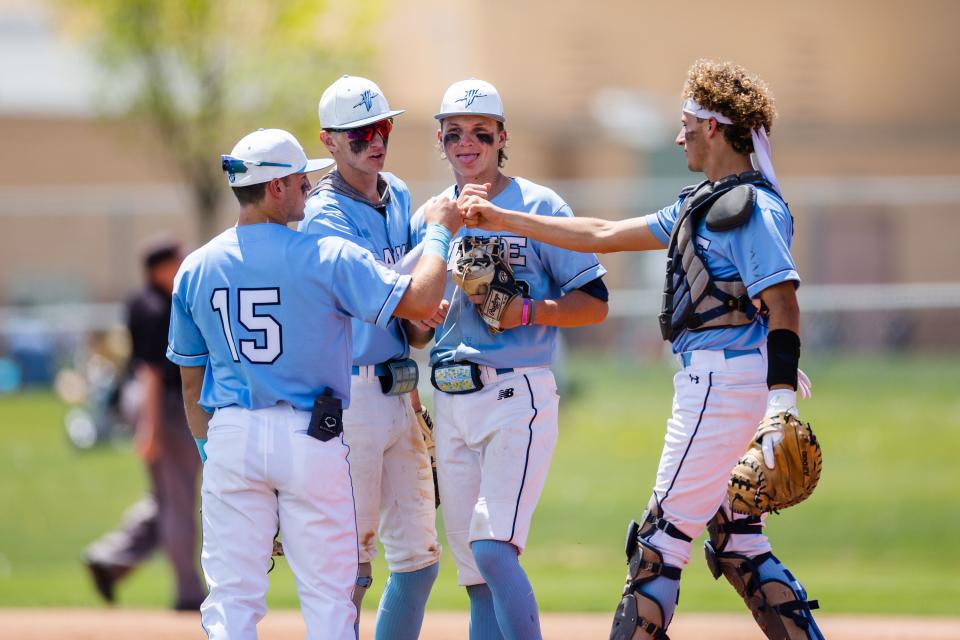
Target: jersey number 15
<point x="266" y="347"/>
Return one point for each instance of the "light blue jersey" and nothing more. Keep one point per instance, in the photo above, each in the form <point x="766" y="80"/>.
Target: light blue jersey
<point x="267" y="311"/>
<point x="758" y="253"/>
<point x="547" y="271"/>
<point x="335" y="209"/>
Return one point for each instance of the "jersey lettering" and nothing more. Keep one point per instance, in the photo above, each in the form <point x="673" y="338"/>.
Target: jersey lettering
<point x="220" y="301"/>
<point x="391" y="257"/>
<point x="264" y="348"/>
<point x="513" y="249"/>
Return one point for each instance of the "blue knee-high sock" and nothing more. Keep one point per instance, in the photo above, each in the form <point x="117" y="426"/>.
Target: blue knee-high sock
<point x="400" y="614"/>
<point x="483" y="619"/>
<point x="513" y="598"/>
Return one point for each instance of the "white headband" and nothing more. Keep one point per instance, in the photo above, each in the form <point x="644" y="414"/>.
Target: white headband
<point x="761" y="143"/>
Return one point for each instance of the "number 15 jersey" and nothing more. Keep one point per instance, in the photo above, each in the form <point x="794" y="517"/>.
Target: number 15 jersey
<point x="267" y="311"/>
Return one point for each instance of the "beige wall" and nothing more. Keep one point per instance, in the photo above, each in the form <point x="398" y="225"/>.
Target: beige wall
<point x="862" y="87"/>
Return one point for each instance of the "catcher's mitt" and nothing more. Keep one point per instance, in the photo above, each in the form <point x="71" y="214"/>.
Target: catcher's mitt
<point x="754" y="488"/>
<point x="480" y="269"/>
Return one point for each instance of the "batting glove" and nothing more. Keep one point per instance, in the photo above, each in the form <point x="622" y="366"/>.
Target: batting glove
<point x="804" y="386"/>
<point x="778" y="401"/>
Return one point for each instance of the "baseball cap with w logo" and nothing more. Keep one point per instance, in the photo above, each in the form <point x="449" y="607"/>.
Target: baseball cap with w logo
<point x="471" y="98"/>
<point x="353" y="102"/>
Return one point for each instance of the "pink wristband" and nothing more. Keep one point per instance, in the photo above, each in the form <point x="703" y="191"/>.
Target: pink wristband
<point x="525" y="313"/>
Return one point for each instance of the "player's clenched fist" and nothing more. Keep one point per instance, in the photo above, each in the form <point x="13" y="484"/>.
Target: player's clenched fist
<point x="479" y="212"/>
<point x="479" y="190"/>
<point x="444" y="211"/>
<point x="438" y="317"/>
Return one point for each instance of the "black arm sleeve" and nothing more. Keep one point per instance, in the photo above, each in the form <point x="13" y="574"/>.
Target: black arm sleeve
<point x="596" y="289"/>
<point x="783" y="357"/>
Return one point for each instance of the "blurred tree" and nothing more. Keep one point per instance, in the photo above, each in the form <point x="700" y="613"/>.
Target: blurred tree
<point x="205" y="72"/>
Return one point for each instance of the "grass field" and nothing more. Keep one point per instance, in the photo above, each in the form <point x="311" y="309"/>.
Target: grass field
<point x="879" y="536"/>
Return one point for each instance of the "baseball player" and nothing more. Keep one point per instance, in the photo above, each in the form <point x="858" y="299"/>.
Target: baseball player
<point x="255" y="311"/>
<point x="731" y="314"/>
<point x="393" y="482"/>
<point x="496" y="404"/>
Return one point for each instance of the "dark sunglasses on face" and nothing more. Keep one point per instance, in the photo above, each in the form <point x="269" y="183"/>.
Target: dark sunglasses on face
<point x="366" y="134"/>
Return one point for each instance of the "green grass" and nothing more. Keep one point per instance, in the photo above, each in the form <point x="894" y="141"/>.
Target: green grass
<point x="878" y="535"/>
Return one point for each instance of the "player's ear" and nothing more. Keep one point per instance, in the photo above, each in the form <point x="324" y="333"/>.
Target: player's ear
<point x="443" y="153"/>
<point x="712" y="127"/>
<point x="275" y="187"/>
<point x="328" y="141"/>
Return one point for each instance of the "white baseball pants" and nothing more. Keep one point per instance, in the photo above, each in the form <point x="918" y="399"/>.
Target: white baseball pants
<point x="717" y="405"/>
<point x="392" y="477"/>
<point x="263" y="472"/>
<point x="493" y="452"/>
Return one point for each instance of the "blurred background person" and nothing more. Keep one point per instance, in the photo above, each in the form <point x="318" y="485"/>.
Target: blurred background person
<point x="165" y="518"/>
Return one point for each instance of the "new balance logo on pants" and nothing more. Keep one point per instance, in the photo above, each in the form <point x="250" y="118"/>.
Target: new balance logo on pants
<point x="505" y="393"/>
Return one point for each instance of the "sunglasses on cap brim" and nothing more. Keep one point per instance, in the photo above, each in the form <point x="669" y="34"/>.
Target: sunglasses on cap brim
<point x="237" y="165"/>
<point x="366" y="133"/>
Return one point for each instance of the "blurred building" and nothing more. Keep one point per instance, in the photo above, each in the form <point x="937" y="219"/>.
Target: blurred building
<point x="863" y="146"/>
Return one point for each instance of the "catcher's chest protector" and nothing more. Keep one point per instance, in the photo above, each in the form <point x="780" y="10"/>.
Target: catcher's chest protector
<point x="692" y="298"/>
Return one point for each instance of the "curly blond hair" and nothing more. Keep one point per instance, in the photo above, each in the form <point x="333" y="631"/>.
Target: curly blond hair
<point x="729" y="89"/>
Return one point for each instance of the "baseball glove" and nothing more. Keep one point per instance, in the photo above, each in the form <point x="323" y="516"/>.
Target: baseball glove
<point x="277" y="551"/>
<point x="481" y="269"/>
<point x="425" y="422"/>
<point x="754" y="488"/>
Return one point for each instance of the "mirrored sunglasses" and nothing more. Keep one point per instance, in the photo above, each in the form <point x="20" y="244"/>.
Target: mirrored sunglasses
<point x="237" y="165"/>
<point x="365" y="134"/>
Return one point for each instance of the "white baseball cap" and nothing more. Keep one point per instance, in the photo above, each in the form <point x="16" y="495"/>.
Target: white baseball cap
<point x="353" y="102"/>
<point x="471" y="98"/>
<point x="266" y="154"/>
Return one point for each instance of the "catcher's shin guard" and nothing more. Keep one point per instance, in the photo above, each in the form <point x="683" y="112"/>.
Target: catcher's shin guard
<point x="776" y="599"/>
<point x="651" y="592"/>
